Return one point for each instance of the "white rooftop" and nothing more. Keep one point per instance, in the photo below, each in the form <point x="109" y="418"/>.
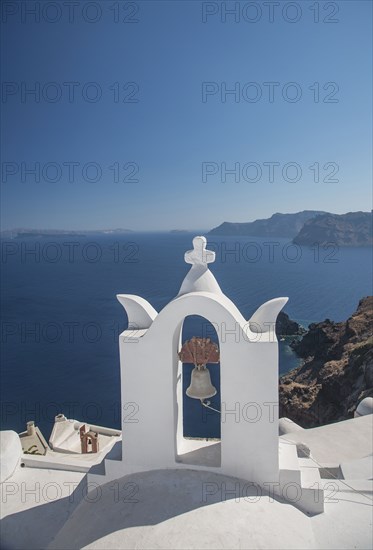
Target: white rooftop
<point x="48" y="508"/>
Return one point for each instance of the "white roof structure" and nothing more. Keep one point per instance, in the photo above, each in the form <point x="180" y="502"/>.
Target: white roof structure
<point x="154" y="488"/>
<point x="48" y="508"/>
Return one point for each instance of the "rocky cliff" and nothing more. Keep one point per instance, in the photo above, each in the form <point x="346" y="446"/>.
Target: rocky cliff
<point x="351" y="229"/>
<point x="337" y="371"/>
<point x="287" y="327"/>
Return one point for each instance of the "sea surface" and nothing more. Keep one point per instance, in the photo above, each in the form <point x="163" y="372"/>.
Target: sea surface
<point x="61" y="319"/>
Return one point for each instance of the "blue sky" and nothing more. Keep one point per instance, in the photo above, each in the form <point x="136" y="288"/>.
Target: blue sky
<point x="166" y="137"/>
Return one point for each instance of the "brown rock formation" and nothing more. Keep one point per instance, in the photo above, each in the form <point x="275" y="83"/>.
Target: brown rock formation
<point x="337" y="372"/>
<point x="287" y="327"/>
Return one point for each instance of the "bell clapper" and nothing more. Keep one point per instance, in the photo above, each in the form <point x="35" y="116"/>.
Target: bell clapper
<point x="207" y="405"/>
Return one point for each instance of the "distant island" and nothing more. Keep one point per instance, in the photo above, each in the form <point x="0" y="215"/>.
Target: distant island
<point x="57" y="233"/>
<point x="179" y="231"/>
<point x="351" y="229"/>
<point x="36" y="234"/>
<point x="278" y="225"/>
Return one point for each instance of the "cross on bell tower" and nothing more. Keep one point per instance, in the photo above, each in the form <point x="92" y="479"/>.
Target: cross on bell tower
<point x="199" y="278"/>
<point x="199" y="254"/>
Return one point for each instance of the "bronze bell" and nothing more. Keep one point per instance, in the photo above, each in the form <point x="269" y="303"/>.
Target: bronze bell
<point x="200" y="384"/>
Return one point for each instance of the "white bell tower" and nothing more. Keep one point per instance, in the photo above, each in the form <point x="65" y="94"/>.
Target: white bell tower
<point x="151" y="382"/>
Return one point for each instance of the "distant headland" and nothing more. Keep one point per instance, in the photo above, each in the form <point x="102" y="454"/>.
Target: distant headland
<point x="351" y="229"/>
<point x="278" y="225"/>
<point x="307" y="227"/>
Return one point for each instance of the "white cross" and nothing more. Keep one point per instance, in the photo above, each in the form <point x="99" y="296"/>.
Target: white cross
<point x="199" y="254"/>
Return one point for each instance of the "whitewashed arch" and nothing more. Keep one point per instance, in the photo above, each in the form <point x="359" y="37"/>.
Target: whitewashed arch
<point x="249" y="381"/>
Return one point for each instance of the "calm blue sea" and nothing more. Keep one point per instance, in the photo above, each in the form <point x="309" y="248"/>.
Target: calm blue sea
<point x="61" y="320"/>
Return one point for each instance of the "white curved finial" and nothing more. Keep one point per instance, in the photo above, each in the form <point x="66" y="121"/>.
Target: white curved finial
<point x="139" y="312"/>
<point x="199" y="254"/>
<point x="264" y="319"/>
